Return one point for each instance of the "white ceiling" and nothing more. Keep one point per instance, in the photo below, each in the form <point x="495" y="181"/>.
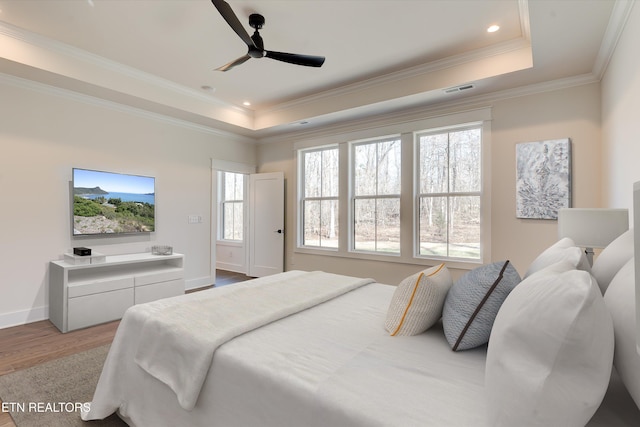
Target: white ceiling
<point x="381" y="55"/>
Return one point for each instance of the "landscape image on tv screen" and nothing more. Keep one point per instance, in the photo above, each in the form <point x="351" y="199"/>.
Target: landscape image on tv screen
<point x="112" y="203"/>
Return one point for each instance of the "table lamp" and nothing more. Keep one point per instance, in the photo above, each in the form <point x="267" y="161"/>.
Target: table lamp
<point x="592" y="228"/>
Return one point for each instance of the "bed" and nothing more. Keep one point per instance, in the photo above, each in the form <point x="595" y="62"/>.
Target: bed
<point x="349" y="356"/>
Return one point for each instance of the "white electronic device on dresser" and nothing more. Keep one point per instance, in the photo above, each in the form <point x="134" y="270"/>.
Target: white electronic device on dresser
<point x="82" y="295"/>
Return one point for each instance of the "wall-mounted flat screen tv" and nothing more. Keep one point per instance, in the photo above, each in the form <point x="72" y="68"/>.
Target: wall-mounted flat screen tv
<point x="108" y="203"/>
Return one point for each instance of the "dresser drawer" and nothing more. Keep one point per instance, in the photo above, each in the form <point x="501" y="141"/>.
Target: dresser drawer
<point x="90" y="310"/>
<point x="157" y="291"/>
<point x="159" y="276"/>
<point x="98" y="286"/>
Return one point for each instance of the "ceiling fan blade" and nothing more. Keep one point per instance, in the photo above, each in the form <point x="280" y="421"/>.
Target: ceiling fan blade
<point x="232" y="64"/>
<point x="231" y="18"/>
<point x="293" y="58"/>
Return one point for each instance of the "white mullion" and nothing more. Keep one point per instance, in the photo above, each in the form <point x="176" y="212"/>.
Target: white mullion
<point x="448" y="191"/>
<point x="383" y="196"/>
<point x="321" y="194"/>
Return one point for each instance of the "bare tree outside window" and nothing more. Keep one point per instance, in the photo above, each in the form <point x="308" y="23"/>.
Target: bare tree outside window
<point x="449" y="193"/>
<point x="232" y="205"/>
<point x="320" y="198"/>
<point x="440" y="194"/>
<point x="376" y="204"/>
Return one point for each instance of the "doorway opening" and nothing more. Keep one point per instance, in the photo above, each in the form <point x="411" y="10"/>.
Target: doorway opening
<point x="231" y="247"/>
<point x="247" y="233"/>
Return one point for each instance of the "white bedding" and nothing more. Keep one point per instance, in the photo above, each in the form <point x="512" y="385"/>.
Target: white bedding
<point x="330" y="365"/>
<point x="177" y="342"/>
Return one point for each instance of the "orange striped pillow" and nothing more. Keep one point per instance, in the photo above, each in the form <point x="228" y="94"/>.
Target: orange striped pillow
<point x="417" y="302"/>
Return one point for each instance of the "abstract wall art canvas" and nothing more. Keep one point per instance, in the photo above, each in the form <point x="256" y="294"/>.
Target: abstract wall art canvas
<point x="543" y="178"/>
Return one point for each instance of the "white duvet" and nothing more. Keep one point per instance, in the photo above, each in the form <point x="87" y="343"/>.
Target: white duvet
<point x="330" y="365"/>
<point x="177" y="342"/>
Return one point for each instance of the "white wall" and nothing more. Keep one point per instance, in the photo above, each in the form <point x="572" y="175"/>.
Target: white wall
<point x="572" y="113"/>
<point x="44" y="132"/>
<point x="621" y="117"/>
<point x="231" y="256"/>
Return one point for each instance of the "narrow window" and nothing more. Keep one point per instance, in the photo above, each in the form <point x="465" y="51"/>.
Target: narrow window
<point x="376" y="172"/>
<point x="449" y="193"/>
<point x="319" y="197"/>
<point x="232" y="205"/>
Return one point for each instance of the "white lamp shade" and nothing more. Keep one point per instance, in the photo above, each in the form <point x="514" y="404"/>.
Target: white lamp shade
<point x="591" y="227"/>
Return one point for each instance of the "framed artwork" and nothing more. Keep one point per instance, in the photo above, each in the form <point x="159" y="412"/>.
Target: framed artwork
<point x="543" y="178"/>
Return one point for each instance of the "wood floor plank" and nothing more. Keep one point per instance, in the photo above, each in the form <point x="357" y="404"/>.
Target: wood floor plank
<point x="39" y="342"/>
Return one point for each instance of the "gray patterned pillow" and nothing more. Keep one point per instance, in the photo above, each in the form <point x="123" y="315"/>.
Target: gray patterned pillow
<point x="473" y="302"/>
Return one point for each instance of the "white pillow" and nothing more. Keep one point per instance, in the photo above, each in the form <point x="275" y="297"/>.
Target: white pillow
<point x="612" y="258"/>
<point x="550" y="352"/>
<point x="417" y="302"/>
<point x="563" y="249"/>
<point x="620" y="300"/>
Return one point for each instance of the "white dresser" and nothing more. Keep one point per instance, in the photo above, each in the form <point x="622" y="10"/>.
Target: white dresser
<point x="89" y="294"/>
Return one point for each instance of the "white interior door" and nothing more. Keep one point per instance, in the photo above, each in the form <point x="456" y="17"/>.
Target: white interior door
<point x="266" y="224"/>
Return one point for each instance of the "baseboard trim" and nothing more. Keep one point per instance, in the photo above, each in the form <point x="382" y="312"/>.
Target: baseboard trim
<point x="227" y="266"/>
<point x="200" y="282"/>
<point x="23" y="317"/>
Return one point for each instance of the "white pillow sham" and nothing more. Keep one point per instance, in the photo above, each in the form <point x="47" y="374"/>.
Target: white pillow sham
<point x="612" y="258"/>
<point x="550" y="352"/>
<point x="563" y="250"/>
<point x="621" y="302"/>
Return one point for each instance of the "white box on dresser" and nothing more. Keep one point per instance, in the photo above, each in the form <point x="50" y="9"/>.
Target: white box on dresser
<point x="82" y="295"/>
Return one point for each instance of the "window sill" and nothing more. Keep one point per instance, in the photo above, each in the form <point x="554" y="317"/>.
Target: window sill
<point x="395" y="258"/>
<point x="236" y="243"/>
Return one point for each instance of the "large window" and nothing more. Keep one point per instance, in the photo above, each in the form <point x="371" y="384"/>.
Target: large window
<point x="232" y="205"/>
<point x="376" y="196"/>
<point x="449" y="193"/>
<point x="418" y="195"/>
<point x="319" y="201"/>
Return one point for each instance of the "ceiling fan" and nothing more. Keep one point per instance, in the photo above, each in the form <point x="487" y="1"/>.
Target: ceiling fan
<point x="255" y="44"/>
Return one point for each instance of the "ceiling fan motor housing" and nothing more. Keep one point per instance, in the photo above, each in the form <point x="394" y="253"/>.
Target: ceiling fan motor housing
<point x="256" y="21"/>
<point x="258" y="50"/>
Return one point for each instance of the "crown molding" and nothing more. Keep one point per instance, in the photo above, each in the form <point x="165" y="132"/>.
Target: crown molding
<point x="408" y="73"/>
<point x="525" y="23"/>
<point x="617" y="21"/>
<point x="60" y="48"/>
<point x="439" y="109"/>
<point x="418" y="70"/>
<point x="32" y="85"/>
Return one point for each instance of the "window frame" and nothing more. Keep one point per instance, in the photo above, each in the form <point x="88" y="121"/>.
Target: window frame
<point x="446" y="194"/>
<point x="301" y="199"/>
<point x="406" y="127"/>
<point x="353" y="197"/>
<point x="222" y="202"/>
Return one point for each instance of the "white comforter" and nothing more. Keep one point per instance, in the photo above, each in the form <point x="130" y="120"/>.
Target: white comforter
<point x="178" y="342"/>
<point x="330" y="365"/>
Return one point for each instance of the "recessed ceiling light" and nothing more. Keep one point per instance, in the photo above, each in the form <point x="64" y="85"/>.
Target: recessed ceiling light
<point x="493" y="28"/>
<point x="246" y="103"/>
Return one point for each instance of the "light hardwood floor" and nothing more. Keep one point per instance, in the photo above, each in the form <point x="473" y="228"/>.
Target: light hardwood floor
<point x="29" y="345"/>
